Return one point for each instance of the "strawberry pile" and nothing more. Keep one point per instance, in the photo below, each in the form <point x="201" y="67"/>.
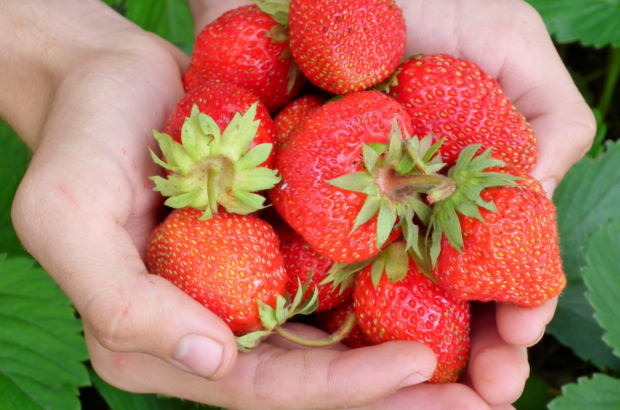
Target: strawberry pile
<point x="312" y="169"/>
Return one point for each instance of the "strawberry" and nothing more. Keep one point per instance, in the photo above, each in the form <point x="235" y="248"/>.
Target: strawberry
<point x="226" y="263"/>
<point x="293" y="114"/>
<point x="302" y="262"/>
<point x="221" y="101"/>
<point x="333" y="319"/>
<point x="457" y="101"/>
<point x="409" y="306"/>
<point x="217" y="160"/>
<point x="507" y="249"/>
<point x="248" y="48"/>
<point x="343" y="46"/>
<point x="350" y="177"/>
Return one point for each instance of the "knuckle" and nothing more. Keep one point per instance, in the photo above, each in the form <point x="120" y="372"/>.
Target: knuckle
<point x="585" y="128"/>
<point x="110" y="321"/>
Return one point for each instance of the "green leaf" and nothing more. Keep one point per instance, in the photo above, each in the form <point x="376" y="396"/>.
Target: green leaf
<point x="575" y="326"/>
<point x="122" y="400"/>
<point x="593" y="22"/>
<point x="15" y="159"/>
<point x="535" y="396"/>
<point x="601" y="392"/>
<point x="170" y="19"/>
<point x="603" y="282"/>
<point x="586" y="199"/>
<point x="41" y="346"/>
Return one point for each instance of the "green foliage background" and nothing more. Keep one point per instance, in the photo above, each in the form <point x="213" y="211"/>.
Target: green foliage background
<point x="43" y="358"/>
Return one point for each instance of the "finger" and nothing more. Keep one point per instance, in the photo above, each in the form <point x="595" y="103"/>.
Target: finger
<point x="273" y="378"/>
<point x="524" y="326"/>
<point x="497" y="371"/>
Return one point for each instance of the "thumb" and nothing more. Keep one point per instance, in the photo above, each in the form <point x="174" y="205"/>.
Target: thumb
<point x="95" y="261"/>
<point x="147" y="314"/>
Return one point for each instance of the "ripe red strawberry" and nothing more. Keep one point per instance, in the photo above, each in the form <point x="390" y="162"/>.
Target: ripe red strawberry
<point x="509" y="251"/>
<point x="293" y="114"/>
<point x="333" y="319"/>
<point x="226" y="263"/>
<point x="248" y="48"/>
<point x="301" y="261"/>
<point x="221" y="101"/>
<point x="455" y="100"/>
<point x="415" y="308"/>
<point x="346" y="45"/>
<point x="327" y="145"/>
<point x="221" y="156"/>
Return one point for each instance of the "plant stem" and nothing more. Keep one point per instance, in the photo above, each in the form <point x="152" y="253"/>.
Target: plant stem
<point x="610" y="82"/>
<point x="335" y="337"/>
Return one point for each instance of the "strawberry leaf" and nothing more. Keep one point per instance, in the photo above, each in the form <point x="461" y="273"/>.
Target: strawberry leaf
<point x="41" y="346"/>
<point x="601" y="392"/>
<point x="601" y="278"/>
<point x="586" y="199"/>
<point x="15" y="159"/>
<point x="170" y="19"/>
<point x="593" y="22"/>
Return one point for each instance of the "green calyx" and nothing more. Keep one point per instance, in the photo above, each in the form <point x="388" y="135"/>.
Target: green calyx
<point x="277" y="9"/>
<point x="342" y="275"/>
<point x="211" y="169"/>
<point x="279" y="35"/>
<point x="272" y="318"/>
<point x="394" y="262"/>
<point x="470" y="179"/>
<point x="392" y="81"/>
<point x="395" y="180"/>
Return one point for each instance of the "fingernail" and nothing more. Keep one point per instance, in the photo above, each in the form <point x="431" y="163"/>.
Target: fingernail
<point x="199" y="354"/>
<point x="549" y="186"/>
<point x="415" y="378"/>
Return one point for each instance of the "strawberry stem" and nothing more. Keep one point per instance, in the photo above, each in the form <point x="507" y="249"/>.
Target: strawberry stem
<point x="400" y="187"/>
<point x="334" y="338"/>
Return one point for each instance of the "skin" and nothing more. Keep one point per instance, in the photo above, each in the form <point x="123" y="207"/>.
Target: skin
<point x="83" y="88"/>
